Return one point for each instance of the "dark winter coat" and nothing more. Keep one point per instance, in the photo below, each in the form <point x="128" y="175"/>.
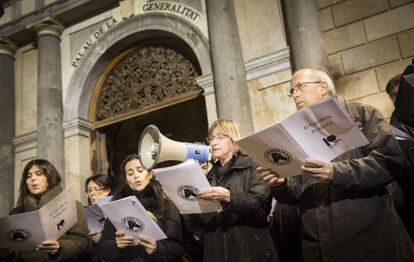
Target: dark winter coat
<point x="402" y="121"/>
<point x="170" y="249"/>
<point x="353" y="218"/>
<point x="73" y="244"/>
<point x="240" y="232"/>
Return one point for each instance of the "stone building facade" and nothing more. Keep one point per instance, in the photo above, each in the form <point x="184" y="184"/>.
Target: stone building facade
<point x="81" y="79"/>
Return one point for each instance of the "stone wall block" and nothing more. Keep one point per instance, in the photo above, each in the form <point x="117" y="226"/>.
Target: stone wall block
<point x="27" y="6"/>
<point x="326" y="20"/>
<point x="406" y="41"/>
<point x="335" y="65"/>
<point x="344" y="37"/>
<point x="380" y="101"/>
<point x="395" y="3"/>
<point x="391" y="22"/>
<point x="372" y="54"/>
<point x="7" y="16"/>
<point x="357" y="85"/>
<point x="325" y="3"/>
<point x="353" y="10"/>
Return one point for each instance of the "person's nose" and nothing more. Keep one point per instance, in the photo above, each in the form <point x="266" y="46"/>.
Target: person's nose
<point x="295" y="93"/>
<point x="136" y="174"/>
<point x="214" y="142"/>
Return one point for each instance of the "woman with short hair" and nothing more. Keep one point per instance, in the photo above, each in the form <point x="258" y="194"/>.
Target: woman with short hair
<point x="239" y="232"/>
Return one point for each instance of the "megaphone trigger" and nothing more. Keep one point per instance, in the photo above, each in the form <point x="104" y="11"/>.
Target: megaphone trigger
<point x="154" y="150"/>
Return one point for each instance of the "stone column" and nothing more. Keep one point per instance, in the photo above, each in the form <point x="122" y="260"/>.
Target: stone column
<point x="304" y="34"/>
<point x="50" y="141"/>
<point x="232" y="94"/>
<point x="7" y="118"/>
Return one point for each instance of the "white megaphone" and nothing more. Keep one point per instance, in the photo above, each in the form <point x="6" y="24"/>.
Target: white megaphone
<point x="155" y="148"/>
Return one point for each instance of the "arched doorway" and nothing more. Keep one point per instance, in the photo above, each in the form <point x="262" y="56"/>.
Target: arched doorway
<point x="153" y="82"/>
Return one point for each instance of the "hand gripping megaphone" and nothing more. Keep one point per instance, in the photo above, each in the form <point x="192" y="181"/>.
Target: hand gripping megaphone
<point x="155" y="148"/>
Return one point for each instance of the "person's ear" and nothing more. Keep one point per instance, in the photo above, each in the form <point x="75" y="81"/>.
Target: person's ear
<point x="324" y="88"/>
<point x="150" y="173"/>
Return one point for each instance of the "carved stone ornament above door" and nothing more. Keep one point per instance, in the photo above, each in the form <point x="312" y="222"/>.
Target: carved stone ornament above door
<point x="147" y="76"/>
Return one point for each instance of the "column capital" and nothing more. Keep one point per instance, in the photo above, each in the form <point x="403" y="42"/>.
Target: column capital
<point x="77" y="126"/>
<point x="47" y="26"/>
<point x="7" y="47"/>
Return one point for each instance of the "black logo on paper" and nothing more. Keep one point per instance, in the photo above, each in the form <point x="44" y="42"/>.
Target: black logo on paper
<point x="133" y="224"/>
<point x="61" y="224"/>
<point x="188" y="192"/>
<point x="331" y="141"/>
<point x="18" y="235"/>
<point x="278" y="156"/>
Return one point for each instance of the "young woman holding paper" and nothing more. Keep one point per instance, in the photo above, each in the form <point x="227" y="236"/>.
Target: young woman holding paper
<point x="118" y="245"/>
<point x="240" y="232"/>
<point x="40" y="183"/>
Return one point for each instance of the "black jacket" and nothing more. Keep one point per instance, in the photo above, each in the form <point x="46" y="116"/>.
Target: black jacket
<point x="353" y="218"/>
<point x="73" y="244"/>
<point x="170" y="249"/>
<point x="240" y="232"/>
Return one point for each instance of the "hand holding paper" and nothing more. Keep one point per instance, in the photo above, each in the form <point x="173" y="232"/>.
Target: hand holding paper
<point x="322" y="131"/>
<point x="187" y="186"/>
<point x="270" y="176"/>
<point x="131" y="220"/>
<point x="49" y="246"/>
<point x="215" y="193"/>
<point x="319" y="170"/>
<point x="123" y="240"/>
<point x="40" y="228"/>
<point x="149" y="244"/>
<point x="95" y="236"/>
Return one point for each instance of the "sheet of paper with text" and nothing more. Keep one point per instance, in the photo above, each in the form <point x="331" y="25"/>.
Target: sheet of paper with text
<point x="128" y="214"/>
<point x="182" y="183"/>
<point x="322" y="131"/>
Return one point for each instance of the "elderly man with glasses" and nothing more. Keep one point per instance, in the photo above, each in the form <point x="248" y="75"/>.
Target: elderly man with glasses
<point x="346" y="211"/>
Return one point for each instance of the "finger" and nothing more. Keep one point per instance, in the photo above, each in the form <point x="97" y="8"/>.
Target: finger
<point x="268" y="177"/>
<point x="93" y="234"/>
<point x="119" y="233"/>
<point x="145" y="244"/>
<point x="264" y="173"/>
<point x="263" y="169"/>
<point x="312" y="170"/>
<point x="149" y="251"/>
<point x="145" y="238"/>
<point x="205" y="191"/>
<point x="274" y="180"/>
<point x="207" y="197"/>
<point x="313" y="163"/>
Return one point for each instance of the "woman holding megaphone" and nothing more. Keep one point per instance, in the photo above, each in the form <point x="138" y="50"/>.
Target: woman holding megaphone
<point x="240" y="232"/>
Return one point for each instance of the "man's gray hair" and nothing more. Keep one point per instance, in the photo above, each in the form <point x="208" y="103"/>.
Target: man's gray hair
<point x="321" y="76"/>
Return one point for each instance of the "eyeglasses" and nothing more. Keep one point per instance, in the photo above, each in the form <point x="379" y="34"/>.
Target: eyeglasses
<point x="219" y="137"/>
<point x="300" y="86"/>
<point x="96" y="189"/>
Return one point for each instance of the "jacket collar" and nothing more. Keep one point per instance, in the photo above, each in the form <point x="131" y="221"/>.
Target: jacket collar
<point x="31" y="203"/>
